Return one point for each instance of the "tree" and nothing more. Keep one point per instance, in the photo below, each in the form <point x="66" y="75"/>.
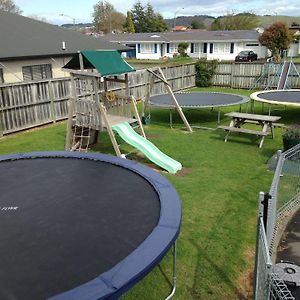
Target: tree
<point x="276" y="38"/>
<point x="106" y="18"/>
<point x="42" y="19"/>
<point x="182" y="47"/>
<point x="242" y="21"/>
<point x="129" y="26"/>
<point x="10" y="6"/>
<point x="197" y="24"/>
<point x="145" y="19"/>
<point x="138" y="17"/>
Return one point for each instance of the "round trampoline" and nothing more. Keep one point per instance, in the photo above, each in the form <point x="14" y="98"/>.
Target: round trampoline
<point x="282" y="97"/>
<point x="81" y="226"/>
<point x="198" y="100"/>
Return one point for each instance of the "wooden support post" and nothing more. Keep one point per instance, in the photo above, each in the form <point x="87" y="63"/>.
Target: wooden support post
<point x="71" y="108"/>
<point x="178" y="107"/>
<point x="109" y="130"/>
<point x="1" y="123"/>
<point x="51" y="97"/>
<point x="81" y="62"/>
<point x="137" y="116"/>
<point x="149" y="86"/>
<point x="127" y="92"/>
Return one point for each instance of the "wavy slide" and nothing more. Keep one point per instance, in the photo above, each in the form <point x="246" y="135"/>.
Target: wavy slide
<point x="127" y="133"/>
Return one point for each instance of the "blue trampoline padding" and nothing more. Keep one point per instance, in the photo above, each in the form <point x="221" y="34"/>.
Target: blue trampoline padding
<point x="121" y="277"/>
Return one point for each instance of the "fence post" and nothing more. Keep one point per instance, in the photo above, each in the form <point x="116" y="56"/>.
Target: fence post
<point x="232" y="74"/>
<point x="51" y="98"/>
<point x="256" y="267"/>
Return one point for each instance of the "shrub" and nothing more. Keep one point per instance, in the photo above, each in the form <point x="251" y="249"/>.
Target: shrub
<point x="182" y="47"/>
<point x="292" y="133"/>
<point x="205" y="70"/>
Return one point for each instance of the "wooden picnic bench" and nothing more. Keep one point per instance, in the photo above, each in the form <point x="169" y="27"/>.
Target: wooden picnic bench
<point x="239" y="119"/>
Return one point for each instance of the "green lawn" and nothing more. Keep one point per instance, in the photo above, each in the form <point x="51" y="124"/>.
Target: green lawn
<point x="219" y="192"/>
<point x="148" y="63"/>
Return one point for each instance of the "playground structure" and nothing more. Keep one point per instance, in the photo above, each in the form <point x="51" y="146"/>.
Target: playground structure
<point x="94" y="107"/>
<point x="277" y="76"/>
<point x="172" y="98"/>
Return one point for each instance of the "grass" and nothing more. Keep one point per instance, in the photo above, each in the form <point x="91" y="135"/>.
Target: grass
<point x="147" y="63"/>
<point x="219" y="194"/>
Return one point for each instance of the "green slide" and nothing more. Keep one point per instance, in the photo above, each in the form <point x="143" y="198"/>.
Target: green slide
<point x="127" y="133"/>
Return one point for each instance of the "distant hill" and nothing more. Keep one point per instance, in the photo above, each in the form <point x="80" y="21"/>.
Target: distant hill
<point x="78" y="25"/>
<point x="263" y="21"/>
<point x="267" y="20"/>
<point x="187" y="20"/>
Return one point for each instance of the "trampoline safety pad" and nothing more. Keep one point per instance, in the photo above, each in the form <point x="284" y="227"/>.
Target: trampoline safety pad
<point x="81" y="226"/>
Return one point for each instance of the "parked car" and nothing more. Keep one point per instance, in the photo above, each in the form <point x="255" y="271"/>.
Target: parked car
<point x="246" y="56"/>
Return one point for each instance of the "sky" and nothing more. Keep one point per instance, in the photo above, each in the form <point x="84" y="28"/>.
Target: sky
<point x="81" y="10"/>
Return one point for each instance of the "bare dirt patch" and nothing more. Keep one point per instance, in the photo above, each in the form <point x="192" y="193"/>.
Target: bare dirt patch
<point x="184" y="171"/>
<point x="244" y="283"/>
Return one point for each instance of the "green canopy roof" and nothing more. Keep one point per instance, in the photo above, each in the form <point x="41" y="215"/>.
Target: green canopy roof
<point x="108" y="62"/>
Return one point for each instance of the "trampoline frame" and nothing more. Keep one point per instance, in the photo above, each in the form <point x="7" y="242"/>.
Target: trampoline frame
<point x="244" y="100"/>
<point x="127" y="272"/>
<point x="254" y="96"/>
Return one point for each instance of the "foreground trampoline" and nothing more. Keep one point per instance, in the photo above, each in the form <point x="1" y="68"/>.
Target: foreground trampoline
<point x="198" y="100"/>
<point x="280" y="97"/>
<point x="81" y="226"/>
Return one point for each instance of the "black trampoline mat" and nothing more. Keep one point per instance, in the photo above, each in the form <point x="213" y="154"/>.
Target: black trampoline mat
<point x="198" y="99"/>
<point x="64" y="221"/>
<point x="281" y="96"/>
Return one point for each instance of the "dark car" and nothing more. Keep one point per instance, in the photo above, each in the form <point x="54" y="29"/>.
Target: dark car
<point x="246" y="56"/>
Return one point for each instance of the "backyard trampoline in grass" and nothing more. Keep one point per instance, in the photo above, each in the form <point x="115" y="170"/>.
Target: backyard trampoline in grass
<point x="281" y="97"/>
<point x="196" y="100"/>
<point x="81" y="226"/>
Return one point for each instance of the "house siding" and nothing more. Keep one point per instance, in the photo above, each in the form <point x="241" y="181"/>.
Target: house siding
<point x="12" y="70"/>
<point x="206" y="44"/>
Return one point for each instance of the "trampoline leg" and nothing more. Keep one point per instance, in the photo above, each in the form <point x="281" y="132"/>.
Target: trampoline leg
<point x="219" y="116"/>
<point x="171" y="119"/>
<point x="174" y="279"/>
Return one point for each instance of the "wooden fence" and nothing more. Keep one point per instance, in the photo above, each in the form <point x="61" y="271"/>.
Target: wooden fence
<point x="252" y="75"/>
<point x="30" y="104"/>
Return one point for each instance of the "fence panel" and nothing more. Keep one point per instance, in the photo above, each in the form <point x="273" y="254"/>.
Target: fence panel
<point x="253" y="75"/>
<point x="284" y="202"/>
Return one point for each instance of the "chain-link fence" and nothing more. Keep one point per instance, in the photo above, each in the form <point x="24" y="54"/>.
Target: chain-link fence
<point x="275" y="209"/>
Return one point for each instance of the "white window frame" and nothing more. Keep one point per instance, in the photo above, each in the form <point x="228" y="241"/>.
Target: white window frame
<point x="147" y="48"/>
<point x="222" y="48"/>
<point x="198" y="47"/>
<point x="173" y="47"/>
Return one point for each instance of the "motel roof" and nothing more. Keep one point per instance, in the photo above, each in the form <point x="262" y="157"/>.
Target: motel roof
<point x="192" y="35"/>
<point x="23" y="37"/>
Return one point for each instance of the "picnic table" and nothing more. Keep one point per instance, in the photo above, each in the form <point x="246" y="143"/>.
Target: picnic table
<point x="239" y="119"/>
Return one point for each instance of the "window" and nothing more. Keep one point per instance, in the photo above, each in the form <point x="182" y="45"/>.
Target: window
<point x="147" y="48"/>
<point x="198" y="48"/>
<point x="37" y="72"/>
<point x="173" y="47"/>
<point x="222" y="47"/>
<point x="1" y="76"/>
<point x="252" y="45"/>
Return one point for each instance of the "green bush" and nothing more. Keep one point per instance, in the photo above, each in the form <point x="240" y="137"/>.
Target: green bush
<point x="205" y="70"/>
<point x="292" y="132"/>
<point x="182" y="47"/>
